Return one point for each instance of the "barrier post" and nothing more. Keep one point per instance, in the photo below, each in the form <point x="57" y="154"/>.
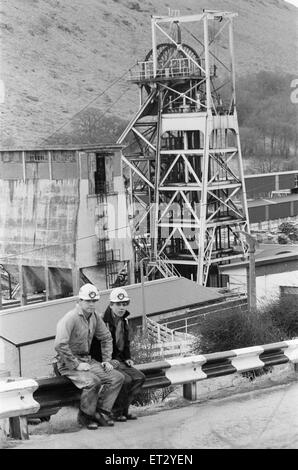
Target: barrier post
<point x="190" y="391"/>
<point x="4" y="423"/>
<point x="19" y="427"/>
<point x="16" y="401"/>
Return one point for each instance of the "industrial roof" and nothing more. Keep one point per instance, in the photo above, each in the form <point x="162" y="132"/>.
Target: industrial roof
<point x="167" y="294"/>
<point x="36" y="321"/>
<point x="270" y="254"/>
<point x="271" y="250"/>
<point x="275" y="200"/>
<point x="83" y="147"/>
<point x="260" y="175"/>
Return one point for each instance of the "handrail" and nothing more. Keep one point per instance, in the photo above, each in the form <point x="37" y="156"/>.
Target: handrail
<point x="178" y="67"/>
<point x="185" y="320"/>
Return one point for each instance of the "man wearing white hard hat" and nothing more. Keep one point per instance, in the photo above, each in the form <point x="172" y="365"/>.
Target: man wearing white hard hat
<point x="115" y="318"/>
<point x="74" y="335"/>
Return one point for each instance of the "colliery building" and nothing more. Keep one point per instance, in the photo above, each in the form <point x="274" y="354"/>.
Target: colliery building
<point x="55" y="222"/>
<point x="273" y="184"/>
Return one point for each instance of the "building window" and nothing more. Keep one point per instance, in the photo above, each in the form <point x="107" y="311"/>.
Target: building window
<point x="36" y="157"/>
<point x="296" y="180"/>
<point x="64" y="156"/>
<point x="11" y="157"/>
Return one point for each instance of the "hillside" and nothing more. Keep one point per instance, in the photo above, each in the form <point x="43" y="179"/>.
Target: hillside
<point x="59" y="56"/>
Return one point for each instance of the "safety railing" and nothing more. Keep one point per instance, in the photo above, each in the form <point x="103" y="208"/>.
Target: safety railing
<point x="163" y="265"/>
<point x="171" y="349"/>
<point x="45" y="396"/>
<point x="161" y="333"/>
<point x="193" y="316"/>
<point x="183" y="67"/>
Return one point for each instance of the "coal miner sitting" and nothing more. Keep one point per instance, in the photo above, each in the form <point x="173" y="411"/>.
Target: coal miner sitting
<point x="99" y="381"/>
<point x="115" y="318"/>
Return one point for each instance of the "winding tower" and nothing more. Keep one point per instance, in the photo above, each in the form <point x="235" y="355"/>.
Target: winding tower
<point x="182" y="159"/>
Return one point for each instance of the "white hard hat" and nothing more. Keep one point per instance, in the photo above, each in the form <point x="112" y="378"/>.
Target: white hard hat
<point x="88" y="292"/>
<point x="119" y="295"/>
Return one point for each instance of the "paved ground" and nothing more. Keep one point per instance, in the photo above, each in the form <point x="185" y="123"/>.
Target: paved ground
<point x="265" y="419"/>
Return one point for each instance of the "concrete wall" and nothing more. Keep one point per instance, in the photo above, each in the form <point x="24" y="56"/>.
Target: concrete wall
<point x="118" y="226"/>
<point x="11" y="170"/>
<point x="267" y="285"/>
<point x="34" y="360"/>
<point x="9" y="357"/>
<point x="37" y="359"/>
<point x="87" y="242"/>
<point x="47" y="222"/>
<point x="36" y="213"/>
<point x="90" y="225"/>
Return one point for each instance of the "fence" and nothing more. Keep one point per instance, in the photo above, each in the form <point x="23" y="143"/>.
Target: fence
<point x="193" y="317"/>
<point x="169" y="343"/>
<point x="172" y="349"/>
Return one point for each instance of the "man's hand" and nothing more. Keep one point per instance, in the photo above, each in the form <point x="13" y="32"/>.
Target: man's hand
<point x="83" y="366"/>
<point x="114" y="363"/>
<point x="107" y="366"/>
<point x="129" y="362"/>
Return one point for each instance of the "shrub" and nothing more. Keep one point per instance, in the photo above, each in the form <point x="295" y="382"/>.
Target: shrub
<point x="283" y="239"/>
<point x="134" y="6"/>
<point x="284" y="316"/>
<point x="142" y="347"/>
<point x="148" y="397"/>
<point x="289" y="230"/>
<point x="237" y="329"/>
<point x="275" y="322"/>
<point x="142" y="351"/>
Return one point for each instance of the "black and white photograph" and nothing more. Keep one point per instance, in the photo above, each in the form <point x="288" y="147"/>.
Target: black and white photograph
<point x="148" y="228"/>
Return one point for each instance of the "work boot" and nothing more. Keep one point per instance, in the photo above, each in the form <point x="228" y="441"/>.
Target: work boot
<point x="86" y="421"/>
<point x="120" y="418"/>
<point x="102" y="420"/>
<point x="130" y="416"/>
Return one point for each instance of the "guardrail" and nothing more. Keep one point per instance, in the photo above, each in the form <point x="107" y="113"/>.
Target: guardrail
<point x="52" y="393"/>
<point x="16" y="402"/>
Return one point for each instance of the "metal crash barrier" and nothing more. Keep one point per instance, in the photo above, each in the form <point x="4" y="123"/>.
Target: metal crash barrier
<point x="16" y="403"/>
<point x="45" y="396"/>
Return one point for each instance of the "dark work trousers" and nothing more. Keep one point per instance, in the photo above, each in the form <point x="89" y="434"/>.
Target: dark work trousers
<point x="133" y="381"/>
